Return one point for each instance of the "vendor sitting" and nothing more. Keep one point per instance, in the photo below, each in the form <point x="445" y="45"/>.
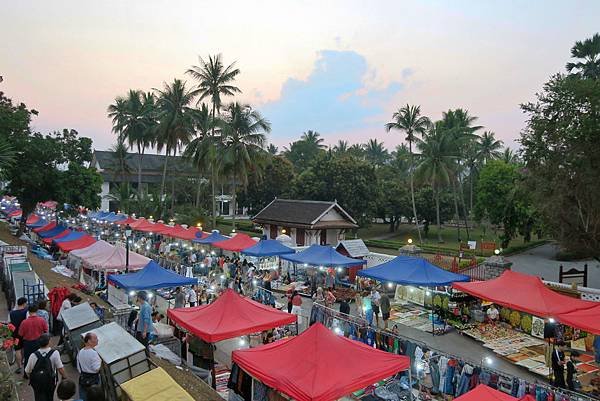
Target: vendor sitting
<point x="492" y="314"/>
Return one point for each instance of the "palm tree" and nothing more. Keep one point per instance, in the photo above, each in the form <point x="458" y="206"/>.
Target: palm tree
<point x="118" y="113"/>
<point x="201" y="150"/>
<point x="410" y="120"/>
<point x="376" y="153"/>
<point x="436" y="163"/>
<point x="357" y="150"/>
<point x="119" y="160"/>
<point x="341" y="147"/>
<point x="7" y="156"/>
<point x="243" y="138"/>
<point x="272" y="149"/>
<point x="313" y="138"/>
<point x="488" y="147"/>
<point x="509" y="157"/>
<point x="589" y="52"/>
<point x="175" y="123"/>
<point x="214" y="80"/>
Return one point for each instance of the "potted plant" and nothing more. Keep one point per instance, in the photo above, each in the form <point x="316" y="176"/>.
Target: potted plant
<point x="8" y="388"/>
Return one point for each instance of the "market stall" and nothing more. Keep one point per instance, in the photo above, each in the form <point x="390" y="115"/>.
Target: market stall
<point x="267" y="252"/>
<point x="82" y="242"/>
<point x="320" y="265"/>
<point x="214" y="330"/>
<point x="154" y="385"/>
<point x="212" y="238"/>
<point x="237" y="243"/>
<point x="485" y="393"/>
<point x="317" y="365"/>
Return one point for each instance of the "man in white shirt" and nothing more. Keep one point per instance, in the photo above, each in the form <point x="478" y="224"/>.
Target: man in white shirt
<point x="45" y="393"/>
<point x="88" y="364"/>
<point x="492" y="314"/>
<point x="192" y="297"/>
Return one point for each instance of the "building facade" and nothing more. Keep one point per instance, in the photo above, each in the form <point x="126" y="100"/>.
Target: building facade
<point x="305" y="222"/>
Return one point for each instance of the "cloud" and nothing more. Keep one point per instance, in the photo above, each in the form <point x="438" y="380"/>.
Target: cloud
<point x="333" y="99"/>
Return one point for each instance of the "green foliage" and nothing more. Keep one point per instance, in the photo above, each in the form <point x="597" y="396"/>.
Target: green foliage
<point x="561" y="151"/>
<point x="80" y="185"/>
<point x="304" y="152"/>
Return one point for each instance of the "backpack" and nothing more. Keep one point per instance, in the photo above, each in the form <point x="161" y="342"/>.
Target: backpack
<point x="43" y="375"/>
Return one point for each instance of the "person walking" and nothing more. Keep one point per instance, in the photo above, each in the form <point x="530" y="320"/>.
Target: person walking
<point x="66" y="390"/>
<point x="88" y="364"/>
<point x="144" y="325"/>
<point x="375" y="300"/>
<point x="42" y="312"/>
<point x="384" y="304"/>
<point x="558" y="365"/>
<point x="179" y="298"/>
<point x="344" y="306"/>
<point x="42" y="368"/>
<point x="31" y="330"/>
<point x="192" y="296"/>
<point x="16" y="317"/>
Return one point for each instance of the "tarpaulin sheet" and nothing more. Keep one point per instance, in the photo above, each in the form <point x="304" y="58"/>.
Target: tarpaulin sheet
<point x="587" y="319"/>
<point x="155" y="385"/>
<point x="230" y="315"/>
<point x="79" y="243"/>
<point x="407" y="270"/>
<point x="525" y="293"/>
<point x="319" y="365"/>
<point x="47" y="227"/>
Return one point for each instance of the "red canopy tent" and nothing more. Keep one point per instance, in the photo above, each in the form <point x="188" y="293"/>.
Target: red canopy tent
<point x="128" y="220"/>
<point x="79" y="243"/>
<point x="528" y="397"/>
<point x="187" y="234"/>
<point x="32" y="219"/>
<point x="319" y="365"/>
<point x="57" y="236"/>
<point x="155" y="228"/>
<point x="231" y="315"/>
<point x="140" y="223"/>
<point x="237" y="243"/>
<point x="47" y="227"/>
<point x="525" y="293"/>
<point x="15" y="213"/>
<point x="485" y="393"/>
<point x="586" y="319"/>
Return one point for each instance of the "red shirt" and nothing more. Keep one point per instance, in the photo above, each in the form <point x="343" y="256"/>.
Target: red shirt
<point x="33" y="327"/>
<point x="297" y="300"/>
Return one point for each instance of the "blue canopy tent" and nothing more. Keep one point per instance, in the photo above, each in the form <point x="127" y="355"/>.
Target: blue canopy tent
<point x="408" y="270"/>
<point x="215" y="236"/>
<point x="53" y="232"/>
<point x="72" y="236"/>
<point x="39" y="223"/>
<point x="268" y="247"/>
<point x="113" y="218"/>
<point x="152" y="276"/>
<point x="322" y="255"/>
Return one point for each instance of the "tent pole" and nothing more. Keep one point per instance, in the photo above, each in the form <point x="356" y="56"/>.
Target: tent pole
<point x="410" y="383"/>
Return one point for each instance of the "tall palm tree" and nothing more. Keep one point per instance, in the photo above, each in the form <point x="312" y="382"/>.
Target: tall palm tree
<point x="488" y="147"/>
<point x="509" y="157"/>
<point x="117" y="112"/>
<point x="119" y="160"/>
<point x="272" y="149"/>
<point x="376" y="153"/>
<point x="175" y="124"/>
<point x="7" y="156"/>
<point x="589" y="53"/>
<point x="436" y="163"/>
<point x="200" y="151"/>
<point x="357" y="150"/>
<point x="214" y="80"/>
<point x="313" y="138"/>
<point x="410" y="120"/>
<point x="243" y="135"/>
<point x="341" y="147"/>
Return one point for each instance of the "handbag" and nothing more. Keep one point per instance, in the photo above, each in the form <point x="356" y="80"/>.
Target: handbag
<point x="88" y="379"/>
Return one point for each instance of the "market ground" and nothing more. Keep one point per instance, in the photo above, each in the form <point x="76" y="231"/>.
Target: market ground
<point x="193" y="385"/>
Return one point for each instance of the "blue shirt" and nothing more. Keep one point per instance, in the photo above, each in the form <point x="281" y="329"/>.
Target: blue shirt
<point x="145" y="318"/>
<point x="597" y="343"/>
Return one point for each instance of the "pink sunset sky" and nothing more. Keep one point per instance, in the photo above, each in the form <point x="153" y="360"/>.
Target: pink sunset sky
<point x="338" y="67"/>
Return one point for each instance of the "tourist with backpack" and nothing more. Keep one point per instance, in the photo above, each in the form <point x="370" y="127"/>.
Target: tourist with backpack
<point x="42" y="368"/>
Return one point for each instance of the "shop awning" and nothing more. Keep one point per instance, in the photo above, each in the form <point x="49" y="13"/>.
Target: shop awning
<point x="155" y="385"/>
<point x="237" y="243"/>
<point x="268" y="247"/>
<point x="38" y="224"/>
<point x="211" y="239"/>
<point x="152" y="276"/>
<point x="154" y="228"/>
<point x="52" y="232"/>
<point x="47" y="227"/>
<point x="116" y="260"/>
<point x="525" y="293"/>
<point x="586" y="319"/>
<point x="140" y="223"/>
<point x="231" y="315"/>
<point x="407" y="270"/>
<point x="83" y="242"/>
<point x="98" y="248"/>
<point x="15" y="213"/>
<point x="485" y="393"/>
<point x="319" y="365"/>
<point x="322" y="255"/>
<point x="32" y="219"/>
<point x="113" y="218"/>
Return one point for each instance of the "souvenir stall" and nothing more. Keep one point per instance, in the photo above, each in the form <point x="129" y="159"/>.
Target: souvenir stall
<point x="483" y="392"/>
<point x="235" y="244"/>
<point x="265" y="254"/>
<point x="317" y="365"/>
<point x="529" y="321"/>
<point x="82" y="242"/>
<point x="154" y="385"/>
<point x="78" y="320"/>
<point x="113" y="260"/>
<point x="123" y="358"/>
<point x="216" y="329"/>
<point x="205" y="244"/>
<point x="151" y="277"/>
<point x="417" y="282"/>
<point x="319" y="266"/>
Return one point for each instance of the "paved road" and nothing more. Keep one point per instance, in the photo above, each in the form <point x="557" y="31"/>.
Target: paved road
<point x="540" y="262"/>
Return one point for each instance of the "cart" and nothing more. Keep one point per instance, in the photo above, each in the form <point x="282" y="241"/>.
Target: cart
<point x="78" y="320"/>
<point x="123" y="358"/>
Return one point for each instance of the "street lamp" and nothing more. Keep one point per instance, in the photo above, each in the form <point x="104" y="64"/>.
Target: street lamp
<point x="127" y="235"/>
